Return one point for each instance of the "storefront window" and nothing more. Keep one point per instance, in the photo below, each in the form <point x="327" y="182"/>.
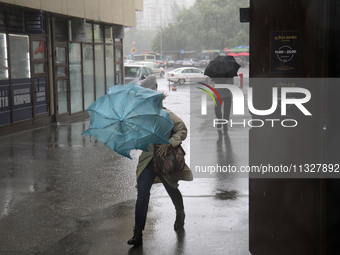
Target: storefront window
<point x="89" y="34"/>
<point x="39" y="68"/>
<point x="61" y="54"/>
<point x="62" y="96"/>
<point x="108" y="35"/>
<point x="98" y="33"/>
<point x="109" y="65"/>
<point x="39" y="50"/>
<point x="88" y="75"/>
<point x="100" y="81"/>
<point x="75" y="78"/>
<point x="118" y="55"/>
<point x="3" y="58"/>
<point x="20" y="56"/>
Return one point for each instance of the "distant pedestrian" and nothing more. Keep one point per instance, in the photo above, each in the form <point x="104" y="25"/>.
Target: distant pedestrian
<point x="221" y="70"/>
<point x="146" y="177"/>
<point x="223" y="111"/>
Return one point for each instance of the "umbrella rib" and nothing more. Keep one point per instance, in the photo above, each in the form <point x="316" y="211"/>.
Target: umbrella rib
<point x="140" y="104"/>
<point x="150" y="131"/>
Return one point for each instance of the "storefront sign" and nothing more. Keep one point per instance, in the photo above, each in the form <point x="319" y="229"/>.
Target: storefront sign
<point x="285" y="52"/>
<point x="22" y="99"/>
<point x="5" y="103"/>
<point x="40" y="95"/>
<point x="33" y="22"/>
<point x="15" y="22"/>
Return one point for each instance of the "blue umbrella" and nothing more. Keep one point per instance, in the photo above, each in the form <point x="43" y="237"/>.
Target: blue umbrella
<point x="129" y="117"/>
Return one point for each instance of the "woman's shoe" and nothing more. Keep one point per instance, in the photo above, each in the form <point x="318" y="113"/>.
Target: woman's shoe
<point x="137" y="238"/>
<point x="179" y="223"/>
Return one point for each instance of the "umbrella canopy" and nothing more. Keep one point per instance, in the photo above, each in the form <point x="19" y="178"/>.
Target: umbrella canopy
<point x="243" y="54"/>
<point x="129" y="117"/>
<point x="233" y="54"/>
<point x="222" y="67"/>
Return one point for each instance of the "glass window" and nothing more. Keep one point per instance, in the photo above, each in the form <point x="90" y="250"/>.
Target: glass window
<point x="3" y="57"/>
<point x="39" y="68"/>
<point x="20" y="56"/>
<point x="88" y="75"/>
<point x="39" y="49"/>
<point x="109" y="65"/>
<point x="149" y="71"/>
<point x="89" y="34"/>
<point x="144" y="72"/>
<point x="118" y="40"/>
<point x="100" y="81"/>
<point x="108" y="35"/>
<point x="61" y="71"/>
<point x="118" y="78"/>
<point x="61" y="54"/>
<point x="76" y="87"/>
<point x="118" y="67"/>
<point x="118" y="55"/>
<point x="61" y="29"/>
<point x="132" y="72"/>
<point x="98" y="33"/>
<point x="78" y="30"/>
<point x="62" y="96"/>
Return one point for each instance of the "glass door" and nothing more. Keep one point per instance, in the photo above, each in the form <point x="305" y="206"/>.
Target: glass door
<point x="62" y="78"/>
<point x="39" y="75"/>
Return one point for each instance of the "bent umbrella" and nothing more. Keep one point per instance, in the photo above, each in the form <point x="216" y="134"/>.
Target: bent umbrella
<point x="129" y="117"/>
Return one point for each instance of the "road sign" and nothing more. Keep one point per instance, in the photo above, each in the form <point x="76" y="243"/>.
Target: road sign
<point x="182" y="51"/>
<point x="133" y="43"/>
<point x="133" y="50"/>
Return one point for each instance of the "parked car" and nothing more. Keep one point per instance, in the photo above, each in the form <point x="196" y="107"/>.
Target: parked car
<point x="160" y="63"/>
<point x="204" y="62"/>
<point x="140" y="74"/>
<point x="187" y="74"/>
<point x="154" y="67"/>
<point x="128" y="62"/>
<point x="170" y="63"/>
<point x="178" y="63"/>
<point x="190" y="62"/>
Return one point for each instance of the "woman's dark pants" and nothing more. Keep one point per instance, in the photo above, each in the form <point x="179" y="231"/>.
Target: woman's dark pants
<point x="145" y="181"/>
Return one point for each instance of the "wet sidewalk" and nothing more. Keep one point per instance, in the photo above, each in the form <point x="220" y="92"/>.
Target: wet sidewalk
<point x="62" y="194"/>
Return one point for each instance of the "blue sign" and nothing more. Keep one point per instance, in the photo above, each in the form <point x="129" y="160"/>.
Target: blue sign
<point x="182" y="51"/>
<point x="5" y="103"/>
<point x="33" y="22"/>
<point x="22" y="99"/>
<point x="40" y="95"/>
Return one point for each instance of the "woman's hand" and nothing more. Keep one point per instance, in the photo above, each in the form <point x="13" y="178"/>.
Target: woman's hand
<point x="162" y="150"/>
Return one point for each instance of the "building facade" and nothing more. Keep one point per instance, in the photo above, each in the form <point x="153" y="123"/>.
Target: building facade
<point x="58" y="57"/>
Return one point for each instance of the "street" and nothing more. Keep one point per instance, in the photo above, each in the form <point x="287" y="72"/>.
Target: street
<point x="62" y="193"/>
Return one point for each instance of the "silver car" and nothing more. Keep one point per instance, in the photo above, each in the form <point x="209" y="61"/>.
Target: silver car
<point x="142" y="75"/>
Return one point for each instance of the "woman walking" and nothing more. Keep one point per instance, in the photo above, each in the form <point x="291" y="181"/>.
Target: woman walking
<point x="146" y="177"/>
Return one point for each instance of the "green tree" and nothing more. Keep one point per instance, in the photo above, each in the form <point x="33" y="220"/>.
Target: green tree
<point x="208" y="24"/>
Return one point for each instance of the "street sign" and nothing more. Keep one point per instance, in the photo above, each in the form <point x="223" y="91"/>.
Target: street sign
<point x="182" y="51"/>
<point x="133" y="43"/>
<point x="133" y="50"/>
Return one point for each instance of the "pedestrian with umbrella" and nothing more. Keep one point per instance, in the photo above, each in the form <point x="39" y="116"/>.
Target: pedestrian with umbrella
<point x="222" y="70"/>
<point x="132" y="117"/>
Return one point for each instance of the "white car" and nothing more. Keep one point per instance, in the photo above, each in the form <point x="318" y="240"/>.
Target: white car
<point x="187" y="74"/>
<point x="157" y="70"/>
<point x="190" y="62"/>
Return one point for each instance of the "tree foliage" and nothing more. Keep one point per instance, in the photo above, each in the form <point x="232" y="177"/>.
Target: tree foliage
<point x="208" y="24"/>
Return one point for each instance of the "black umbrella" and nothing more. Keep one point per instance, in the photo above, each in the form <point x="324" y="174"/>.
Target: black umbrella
<point x="222" y="67"/>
